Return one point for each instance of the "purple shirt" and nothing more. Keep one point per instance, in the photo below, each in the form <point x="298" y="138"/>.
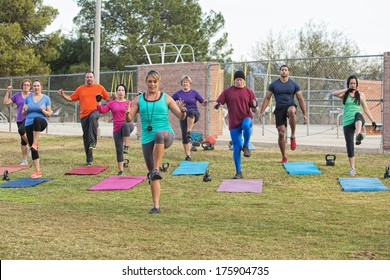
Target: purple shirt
<point x="18" y="99"/>
<point x="190" y="97"/>
<point x="118" y="110"/>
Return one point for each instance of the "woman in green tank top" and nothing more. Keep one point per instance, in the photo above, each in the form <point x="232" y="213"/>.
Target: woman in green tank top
<point x="353" y="119"/>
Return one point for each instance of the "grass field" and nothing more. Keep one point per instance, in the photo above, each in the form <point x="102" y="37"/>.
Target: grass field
<point x="295" y="217"/>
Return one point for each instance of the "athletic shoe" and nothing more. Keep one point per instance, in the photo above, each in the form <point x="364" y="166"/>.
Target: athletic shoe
<point x="92" y="146"/>
<point x="188" y="158"/>
<point x="189" y="136"/>
<point x="238" y="176"/>
<point x="154" y="210"/>
<point x="352" y="172"/>
<point x="24" y="162"/>
<point x="125" y="149"/>
<point x="89" y="163"/>
<point x="284" y="159"/>
<point x="36" y="174"/>
<point x="230" y="144"/>
<point x="120" y="173"/>
<point x="359" y="138"/>
<point x="293" y="144"/>
<point x="247" y="152"/>
<point x="155" y="175"/>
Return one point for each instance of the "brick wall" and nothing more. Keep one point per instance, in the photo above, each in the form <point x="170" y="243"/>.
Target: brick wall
<point x="386" y="104"/>
<point x="170" y="83"/>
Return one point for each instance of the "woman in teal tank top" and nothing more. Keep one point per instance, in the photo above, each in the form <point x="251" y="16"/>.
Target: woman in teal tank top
<point x="157" y="134"/>
<point x="353" y="120"/>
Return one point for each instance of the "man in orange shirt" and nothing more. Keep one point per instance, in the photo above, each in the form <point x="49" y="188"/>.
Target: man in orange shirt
<point x="89" y="115"/>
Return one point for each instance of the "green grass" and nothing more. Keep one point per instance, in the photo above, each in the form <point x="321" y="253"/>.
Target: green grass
<point x="295" y="217"/>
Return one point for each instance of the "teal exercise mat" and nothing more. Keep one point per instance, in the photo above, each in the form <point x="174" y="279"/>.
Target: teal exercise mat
<point x="301" y="168"/>
<point x="362" y="185"/>
<point x="191" y="168"/>
<point x="24" y="182"/>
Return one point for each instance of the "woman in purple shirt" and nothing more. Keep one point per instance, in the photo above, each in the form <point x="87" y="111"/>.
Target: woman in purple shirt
<point x="18" y="99"/>
<point x="121" y="129"/>
<point x="189" y="97"/>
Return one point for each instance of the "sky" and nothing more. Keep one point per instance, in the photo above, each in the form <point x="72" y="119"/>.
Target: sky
<point x="250" y="21"/>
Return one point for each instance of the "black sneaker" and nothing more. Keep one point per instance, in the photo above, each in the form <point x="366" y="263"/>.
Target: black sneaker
<point x="188" y="158"/>
<point x="238" y="176"/>
<point x="359" y="139"/>
<point x="155" y="175"/>
<point x="125" y="149"/>
<point x="154" y="210"/>
<point x="189" y="136"/>
<point x="89" y="163"/>
<point x="120" y="173"/>
<point x="247" y="152"/>
<point x="92" y="146"/>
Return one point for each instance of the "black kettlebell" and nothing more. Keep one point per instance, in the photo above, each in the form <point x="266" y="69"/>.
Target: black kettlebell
<point x="330" y="160"/>
<point x="387" y="175"/>
<point x="207" y="146"/>
<point x="126" y="163"/>
<point x="164" y="167"/>
<point x="206" y="176"/>
<point x="5" y="175"/>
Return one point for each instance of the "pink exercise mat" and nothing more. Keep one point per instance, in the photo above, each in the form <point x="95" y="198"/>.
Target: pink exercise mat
<point x="12" y="168"/>
<point x="115" y="183"/>
<point x="239" y="185"/>
<point x="87" y="170"/>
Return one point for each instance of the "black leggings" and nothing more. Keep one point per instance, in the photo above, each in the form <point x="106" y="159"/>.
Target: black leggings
<point x="40" y="125"/>
<point x="183" y="124"/>
<point x="349" y="132"/>
<point x="22" y="131"/>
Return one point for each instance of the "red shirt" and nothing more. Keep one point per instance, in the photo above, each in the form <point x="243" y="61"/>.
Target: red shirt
<point x="238" y="101"/>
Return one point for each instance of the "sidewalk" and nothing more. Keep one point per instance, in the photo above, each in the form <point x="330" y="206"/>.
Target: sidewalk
<point x="315" y="137"/>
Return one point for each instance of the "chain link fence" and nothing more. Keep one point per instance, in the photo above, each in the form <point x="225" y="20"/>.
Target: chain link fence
<point x="318" y="78"/>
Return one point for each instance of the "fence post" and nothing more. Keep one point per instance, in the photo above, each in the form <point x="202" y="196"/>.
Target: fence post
<point x="386" y="103"/>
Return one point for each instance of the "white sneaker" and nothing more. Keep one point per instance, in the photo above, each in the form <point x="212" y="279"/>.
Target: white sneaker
<point x="352" y="172"/>
<point x="24" y="162"/>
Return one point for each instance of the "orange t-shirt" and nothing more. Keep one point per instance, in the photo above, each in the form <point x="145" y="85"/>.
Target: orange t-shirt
<point x="86" y="94"/>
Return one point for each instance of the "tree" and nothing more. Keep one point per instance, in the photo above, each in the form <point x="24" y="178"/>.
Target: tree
<point x="312" y="41"/>
<point x="127" y="25"/>
<point x="24" y="48"/>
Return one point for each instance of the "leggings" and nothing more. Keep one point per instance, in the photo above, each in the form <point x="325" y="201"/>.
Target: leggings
<point x="161" y="137"/>
<point x="183" y="124"/>
<point x="349" y="131"/>
<point x="90" y="126"/>
<point x="125" y="131"/>
<point x="245" y="129"/>
<point x="22" y="131"/>
<point x="40" y="125"/>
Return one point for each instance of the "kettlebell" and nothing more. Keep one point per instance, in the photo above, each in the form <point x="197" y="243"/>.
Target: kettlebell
<point x="126" y="163"/>
<point x="164" y="167"/>
<point x="330" y="160"/>
<point x="207" y="146"/>
<point x="206" y="176"/>
<point x="5" y="175"/>
<point x="387" y="175"/>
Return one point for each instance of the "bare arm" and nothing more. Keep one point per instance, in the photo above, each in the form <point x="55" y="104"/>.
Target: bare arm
<point x="64" y="96"/>
<point x="339" y="93"/>
<point x="7" y="100"/>
<point x="179" y="109"/>
<point x="266" y="101"/>
<point x="131" y="110"/>
<point x="46" y="112"/>
<point x="363" y="102"/>
<point x="302" y="105"/>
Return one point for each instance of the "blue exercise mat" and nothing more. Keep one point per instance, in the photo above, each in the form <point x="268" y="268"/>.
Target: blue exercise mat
<point x="191" y="168"/>
<point x="301" y="168"/>
<point x="362" y="185"/>
<point x="251" y="147"/>
<point x="24" y="182"/>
